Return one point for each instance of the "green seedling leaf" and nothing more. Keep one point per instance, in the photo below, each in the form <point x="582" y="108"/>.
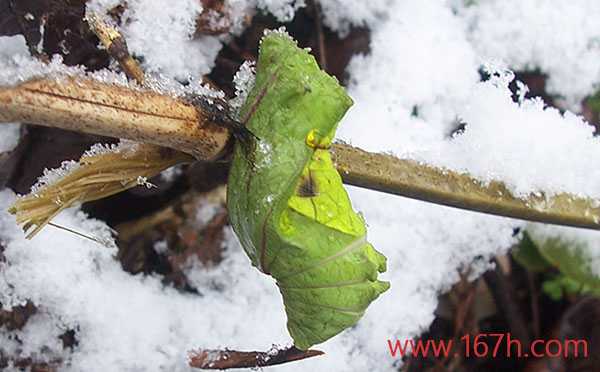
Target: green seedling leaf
<point x="287" y="203"/>
<point x="528" y="255"/>
<point x="560" y="285"/>
<point x="569" y="256"/>
<point x="553" y="288"/>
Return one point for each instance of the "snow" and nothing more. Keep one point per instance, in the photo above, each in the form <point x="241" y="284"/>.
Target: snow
<point x="164" y="36"/>
<point x="13" y="45"/>
<point x="493" y="146"/>
<point x="9" y="136"/>
<point x="243" y="81"/>
<point x="50" y="176"/>
<point x="561" y="39"/>
<point x="282" y="9"/>
<point x="126" y="322"/>
<point x="435" y="69"/>
<point x="338" y="16"/>
<point x="206" y="212"/>
<point x="420" y="79"/>
<point x="439" y="79"/>
<point x="161" y="247"/>
<point x="10" y="46"/>
<point x="171" y="174"/>
<point x="19" y="67"/>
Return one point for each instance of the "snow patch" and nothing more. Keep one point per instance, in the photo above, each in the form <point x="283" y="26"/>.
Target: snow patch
<point x="10" y="133"/>
<point x="561" y="39"/>
<point x="244" y="82"/>
<point x="126" y="322"/>
<point x="419" y="114"/>
<point x="163" y="35"/>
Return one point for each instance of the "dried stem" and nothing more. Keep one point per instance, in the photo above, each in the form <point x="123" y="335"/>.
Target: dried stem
<point x="414" y="180"/>
<point x="90" y="106"/>
<point x="320" y="34"/>
<point x="226" y="359"/>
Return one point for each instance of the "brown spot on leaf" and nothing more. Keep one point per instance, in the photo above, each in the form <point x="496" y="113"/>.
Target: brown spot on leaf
<point x="307" y="187"/>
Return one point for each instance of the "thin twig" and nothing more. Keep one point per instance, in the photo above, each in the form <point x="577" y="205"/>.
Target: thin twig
<point x="226" y="359"/>
<point x="116" y="46"/>
<point x="320" y="34"/>
<point x="415" y="180"/>
<point x="75" y="232"/>
<point x="464" y="305"/>
<point x="534" y="299"/>
<point x="503" y="293"/>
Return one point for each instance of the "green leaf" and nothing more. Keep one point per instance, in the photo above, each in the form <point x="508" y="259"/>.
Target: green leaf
<point x="570" y="256"/>
<point x="562" y="284"/>
<point x="528" y="255"/>
<point x="287" y="203"/>
<point x="553" y="288"/>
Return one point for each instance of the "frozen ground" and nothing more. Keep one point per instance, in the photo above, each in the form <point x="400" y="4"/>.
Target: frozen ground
<point x="422" y="74"/>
